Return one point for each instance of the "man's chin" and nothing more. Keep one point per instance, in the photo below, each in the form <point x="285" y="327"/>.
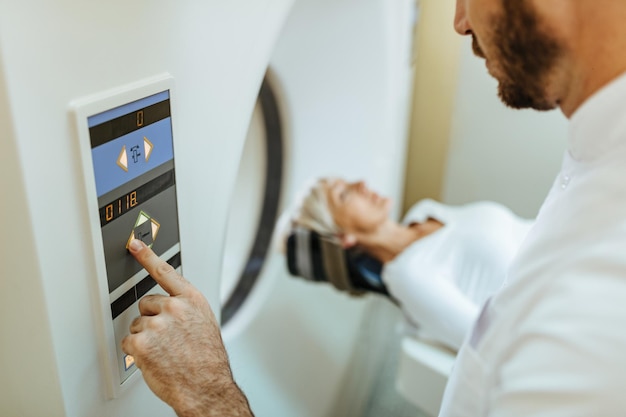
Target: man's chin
<point x="519" y="98"/>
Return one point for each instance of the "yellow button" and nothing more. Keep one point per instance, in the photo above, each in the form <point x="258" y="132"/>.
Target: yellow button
<point x="128" y="362"/>
<point x="146" y="229"/>
<point x="122" y="159"/>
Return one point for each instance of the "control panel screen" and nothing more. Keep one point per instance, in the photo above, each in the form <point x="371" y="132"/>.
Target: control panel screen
<point x="133" y="162"/>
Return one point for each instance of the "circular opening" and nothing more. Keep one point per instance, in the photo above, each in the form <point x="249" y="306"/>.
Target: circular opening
<point x="254" y="206"/>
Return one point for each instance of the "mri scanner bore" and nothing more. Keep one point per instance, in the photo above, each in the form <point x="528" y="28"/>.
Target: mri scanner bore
<point x="134" y="186"/>
<point x="259" y="179"/>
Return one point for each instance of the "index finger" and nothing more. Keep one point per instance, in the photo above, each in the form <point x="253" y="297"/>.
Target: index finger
<point x="161" y="271"/>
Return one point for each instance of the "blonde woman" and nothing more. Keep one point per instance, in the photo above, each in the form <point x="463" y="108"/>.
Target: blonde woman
<point x="441" y="263"/>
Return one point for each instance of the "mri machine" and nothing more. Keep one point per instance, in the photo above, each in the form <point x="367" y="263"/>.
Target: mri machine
<point x="191" y="125"/>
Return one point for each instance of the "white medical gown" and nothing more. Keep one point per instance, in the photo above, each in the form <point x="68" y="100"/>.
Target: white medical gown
<point x="442" y="280"/>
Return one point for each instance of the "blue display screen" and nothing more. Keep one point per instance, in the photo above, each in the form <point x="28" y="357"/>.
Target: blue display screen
<point x="130" y="140"/>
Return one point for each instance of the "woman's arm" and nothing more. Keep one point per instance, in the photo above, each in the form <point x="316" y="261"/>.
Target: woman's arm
<point x="432" y="302"/>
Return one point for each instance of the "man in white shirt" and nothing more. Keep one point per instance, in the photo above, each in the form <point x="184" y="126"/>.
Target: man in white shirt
<point x="553" y="342"/>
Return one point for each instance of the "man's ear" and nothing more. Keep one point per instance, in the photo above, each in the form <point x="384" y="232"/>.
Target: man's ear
<point x="348" y="240"/>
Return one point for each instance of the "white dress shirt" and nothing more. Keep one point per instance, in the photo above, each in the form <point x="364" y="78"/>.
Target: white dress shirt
<point x="552" y="342"/>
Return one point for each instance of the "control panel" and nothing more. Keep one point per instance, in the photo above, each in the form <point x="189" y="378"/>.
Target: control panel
<point x="128" y="157"/>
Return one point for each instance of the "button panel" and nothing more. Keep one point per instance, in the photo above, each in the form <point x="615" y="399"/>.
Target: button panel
<point x="127" y="140"/>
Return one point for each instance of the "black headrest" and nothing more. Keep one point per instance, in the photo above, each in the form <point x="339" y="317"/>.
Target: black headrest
<point x="322" y="259"/>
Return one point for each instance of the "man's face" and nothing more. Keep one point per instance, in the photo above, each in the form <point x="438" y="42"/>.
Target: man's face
<point x="519" y="50"/>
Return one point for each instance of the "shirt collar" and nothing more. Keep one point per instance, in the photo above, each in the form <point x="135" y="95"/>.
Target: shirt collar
<point x="599" y="124"/>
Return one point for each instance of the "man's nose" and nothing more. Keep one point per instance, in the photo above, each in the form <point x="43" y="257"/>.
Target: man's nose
<point x="461" y="22"/>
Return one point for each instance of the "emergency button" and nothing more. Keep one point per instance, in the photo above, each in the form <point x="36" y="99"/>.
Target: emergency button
<point x="146" y="229"/>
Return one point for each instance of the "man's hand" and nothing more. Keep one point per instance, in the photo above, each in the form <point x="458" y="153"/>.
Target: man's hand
<point x="176" y="342"/>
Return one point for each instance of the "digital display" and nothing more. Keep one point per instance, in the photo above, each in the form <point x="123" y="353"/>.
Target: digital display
<point x="117" y="208"/>
<point x="123" y="204"/>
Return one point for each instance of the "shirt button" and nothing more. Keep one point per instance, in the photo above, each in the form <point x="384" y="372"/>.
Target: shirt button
<point x="565" y="179"/>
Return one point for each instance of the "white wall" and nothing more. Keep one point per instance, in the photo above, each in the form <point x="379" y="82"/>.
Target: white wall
<point x="53" y="53"/>
<point x="496" y="153"/>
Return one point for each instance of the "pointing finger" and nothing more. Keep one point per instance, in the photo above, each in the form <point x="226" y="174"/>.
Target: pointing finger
<point x="161" y="271"/>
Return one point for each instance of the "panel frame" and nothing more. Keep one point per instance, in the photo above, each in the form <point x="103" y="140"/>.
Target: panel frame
<point x="81" y="110"/>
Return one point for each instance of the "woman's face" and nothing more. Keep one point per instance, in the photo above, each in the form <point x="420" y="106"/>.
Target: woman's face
<point x="355" y="208"/>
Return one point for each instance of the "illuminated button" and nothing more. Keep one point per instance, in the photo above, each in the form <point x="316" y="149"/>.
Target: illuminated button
<point x="147" y="148"/>
<point x="146" y="229"/>
<point x="128" y="362"/>
<point x="122" y="159"/>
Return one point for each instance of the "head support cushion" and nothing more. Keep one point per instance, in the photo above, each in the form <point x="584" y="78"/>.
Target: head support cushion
<point x="322" y="259"/>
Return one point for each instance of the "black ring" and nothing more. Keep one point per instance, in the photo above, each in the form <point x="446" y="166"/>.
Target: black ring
<point x="271" y="201"/>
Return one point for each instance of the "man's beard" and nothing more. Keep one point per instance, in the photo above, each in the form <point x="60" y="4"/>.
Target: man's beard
<point x="526" y="56"/>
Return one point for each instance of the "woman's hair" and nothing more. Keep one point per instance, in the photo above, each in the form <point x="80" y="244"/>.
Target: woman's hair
<point x="314" y="213"/>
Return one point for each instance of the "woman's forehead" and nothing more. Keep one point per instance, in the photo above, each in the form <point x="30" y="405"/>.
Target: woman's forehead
<point x="330" y="183"/>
